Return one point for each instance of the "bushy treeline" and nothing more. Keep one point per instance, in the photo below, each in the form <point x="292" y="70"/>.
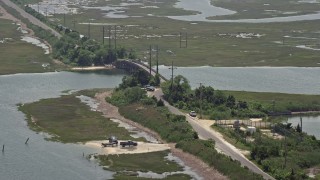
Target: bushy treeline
<point x="73" y="48"/>
<point x="139" y="78"/>
<point x="289" y="157"/>
<point x="149" y="112"/>
<point x="215" y="103"/>
<point x="219" y="105"/>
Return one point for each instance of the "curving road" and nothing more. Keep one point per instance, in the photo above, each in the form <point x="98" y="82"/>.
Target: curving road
<point x="205" y="133"/>
<point x="31" y="18"/>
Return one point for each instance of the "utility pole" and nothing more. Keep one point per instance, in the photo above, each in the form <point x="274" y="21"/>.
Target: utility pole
<point x="301" y="123"/>
<point x="273" y="105"/>
<point x="74" y="24"/>
<point x="150" y="56"/>
<point x="180" y="38"/>
<point x="285" y="148"/>
<point x="89" y="29"/>
<point x="157" y="56"/>
<point x="200" y="100"/>
<point x="103" y="35"/>
<point x="64" y="19"/>
<point x="172" y="68"/>
<point x="109" y="37"/>
<point x="186" y="39"/>
<point x="115" y="37"/>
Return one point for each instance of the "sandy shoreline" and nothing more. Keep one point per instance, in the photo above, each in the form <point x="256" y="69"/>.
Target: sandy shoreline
<point x="197" y="165"/>
<point x="92" y="68"/>
<point x="142" y="147"/>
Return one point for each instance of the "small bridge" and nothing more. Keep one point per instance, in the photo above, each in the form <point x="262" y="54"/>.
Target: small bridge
<point x="134" y="65"/>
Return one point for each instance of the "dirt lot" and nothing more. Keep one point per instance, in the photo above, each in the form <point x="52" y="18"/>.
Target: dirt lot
<point x="142" y="147"/>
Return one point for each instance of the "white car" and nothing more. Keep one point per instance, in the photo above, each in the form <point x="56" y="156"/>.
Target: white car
<point x="192" y="113"/>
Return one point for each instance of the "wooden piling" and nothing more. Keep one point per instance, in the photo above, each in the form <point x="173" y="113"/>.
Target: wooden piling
<point x="2" y="148"/>
<point x="26" y="141"/>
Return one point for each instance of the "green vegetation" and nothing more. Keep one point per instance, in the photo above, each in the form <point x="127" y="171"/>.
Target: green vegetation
<point x="282" y="102"/>
<point x="15" y="56"/>
<point x="285" y="156"/>
<point x="219" y="105"/>
<point x="213" y="44"/>
<point x="127" y="165"/>
<point x="174" y="128"/>
<point x="69" y="120"/>
<point x="153" y="161"/>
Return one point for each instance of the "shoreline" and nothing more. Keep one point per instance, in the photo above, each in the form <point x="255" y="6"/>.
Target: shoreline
<point x="92" y="68"/>
<point x="197" y="165"/>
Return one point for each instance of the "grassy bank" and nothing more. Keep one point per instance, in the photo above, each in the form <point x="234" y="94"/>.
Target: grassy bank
<point x="127" y="165"/>
<point x="69" y="120"/>
<point x="282" y="102"/>
<point x="17" y="56"/>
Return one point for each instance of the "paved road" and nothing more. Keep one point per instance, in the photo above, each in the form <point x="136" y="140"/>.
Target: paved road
<point x="32" y="19"/>
<point x="204" y="133"/>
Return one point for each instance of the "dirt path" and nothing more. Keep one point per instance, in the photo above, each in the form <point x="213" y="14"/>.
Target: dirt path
<point x="193" y="162"/>
<point x="32" y="19"/>
<point x="5" y="15"/>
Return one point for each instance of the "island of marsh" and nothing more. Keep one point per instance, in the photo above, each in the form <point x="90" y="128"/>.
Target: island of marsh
<point x="128" y="165"/>
<point x="69" y="120"/>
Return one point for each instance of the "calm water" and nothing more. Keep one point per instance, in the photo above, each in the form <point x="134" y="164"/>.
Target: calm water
<point x="293" y="80"/>
<point x="206" y="10"/>
<point x="310" y="124"/>
<point x="41" y="159"/>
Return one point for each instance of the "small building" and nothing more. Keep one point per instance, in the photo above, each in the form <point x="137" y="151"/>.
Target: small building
<point x="251" y="129"/>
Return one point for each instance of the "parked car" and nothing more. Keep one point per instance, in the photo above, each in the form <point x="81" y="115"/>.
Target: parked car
<point x="192" y="113"/>
<point x="128" y="143"/>
<point x="150" y="88"/>
<point x="112" y="141"/>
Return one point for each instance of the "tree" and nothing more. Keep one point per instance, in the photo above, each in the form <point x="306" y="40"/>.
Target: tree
<point x="121" y="53"/>
<point x="298" y="128"/>
<point x="111" y="57"/>
<point x="231" y="101"/>
<point x="85" y="58"/>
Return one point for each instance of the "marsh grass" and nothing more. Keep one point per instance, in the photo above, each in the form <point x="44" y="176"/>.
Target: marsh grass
<point x="70" y="121"/>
